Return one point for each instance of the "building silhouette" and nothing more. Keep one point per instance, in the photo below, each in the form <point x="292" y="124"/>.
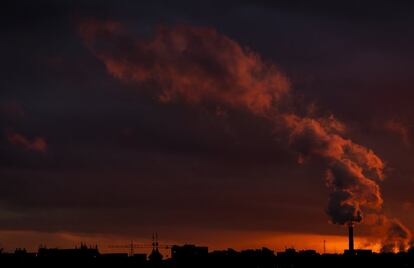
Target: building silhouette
<point x="187" y="256"/>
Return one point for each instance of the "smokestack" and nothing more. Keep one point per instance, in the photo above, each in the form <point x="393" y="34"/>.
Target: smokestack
<point x="351" y="237"/>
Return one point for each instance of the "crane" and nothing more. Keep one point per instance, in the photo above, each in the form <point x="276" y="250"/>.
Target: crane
<point x="131" y="246"/>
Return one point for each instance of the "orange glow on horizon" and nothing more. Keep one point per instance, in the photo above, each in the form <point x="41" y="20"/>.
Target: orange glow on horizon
<point x="227" y="239"/>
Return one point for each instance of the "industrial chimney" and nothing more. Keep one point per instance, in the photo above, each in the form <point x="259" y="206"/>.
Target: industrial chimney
<point x="351" y="237"/>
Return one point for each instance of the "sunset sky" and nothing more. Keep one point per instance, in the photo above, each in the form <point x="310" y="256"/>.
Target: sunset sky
<point x="210" y="122"/>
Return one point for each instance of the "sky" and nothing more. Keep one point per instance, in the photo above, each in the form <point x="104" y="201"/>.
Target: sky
<point x="215" y="123"/>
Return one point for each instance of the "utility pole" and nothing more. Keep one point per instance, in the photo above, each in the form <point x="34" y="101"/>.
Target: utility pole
<point x="131" y="249"/>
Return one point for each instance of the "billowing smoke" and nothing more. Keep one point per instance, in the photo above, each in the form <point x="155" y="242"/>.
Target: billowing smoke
<point x="192" y="64"/>
<point x="397" y="236"/>
<point x="394" y="235"/>
<point x="198" y="65"/>
<point x="349" y="165"/>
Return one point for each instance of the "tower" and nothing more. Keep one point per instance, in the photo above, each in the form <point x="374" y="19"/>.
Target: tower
<point x="155" y="256"/>
<point x="324" y="247"/>
<point x="351" y="237"/>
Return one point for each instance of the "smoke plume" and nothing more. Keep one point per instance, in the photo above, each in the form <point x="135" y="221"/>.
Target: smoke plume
<point x="197" y="65"/>
<point x="349" y="165"/>
<point x="192" y="64"/>
<point x="397" y="236"/>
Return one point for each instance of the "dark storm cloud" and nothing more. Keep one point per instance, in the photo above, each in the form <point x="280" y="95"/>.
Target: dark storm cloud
<point x="356" y="63"/>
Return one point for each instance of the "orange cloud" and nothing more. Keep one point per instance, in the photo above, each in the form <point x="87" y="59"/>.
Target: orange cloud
<point x="193" y="64"/>
<point x="37" y="144"/>
<point x="399" y="129"/>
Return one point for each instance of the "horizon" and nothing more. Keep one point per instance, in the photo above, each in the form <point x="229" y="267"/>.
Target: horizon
<point x="276" y="242"/>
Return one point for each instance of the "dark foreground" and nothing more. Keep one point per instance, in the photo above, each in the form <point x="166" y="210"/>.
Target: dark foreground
<point x="199" y="257"/>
